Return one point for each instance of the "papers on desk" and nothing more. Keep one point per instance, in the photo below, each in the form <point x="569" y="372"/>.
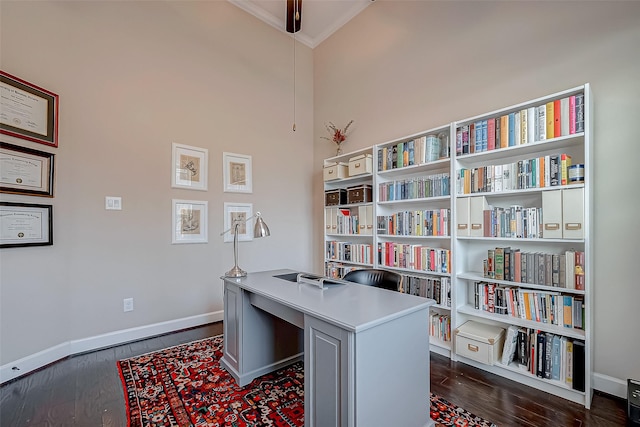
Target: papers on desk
<point x="319" y="281"/>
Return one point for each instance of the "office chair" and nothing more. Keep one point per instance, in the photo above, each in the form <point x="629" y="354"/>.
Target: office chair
<point x="374" y="277"/>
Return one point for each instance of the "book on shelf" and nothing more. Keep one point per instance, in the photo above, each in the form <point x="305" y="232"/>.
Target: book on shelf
<point x="579" y="270"/>
<point x="491" y="134"/>
<point x="565" y="163"/>
<point x="572" y="114"/>
<point x="578" y="365"/>
<point x="504" y="131"/>
<point x="564" y="116"/>
<point x="579" y="112"/>
<point x="557" y="119"/>
<point x="512" y="129"/>
<point x="548" y="358"/>
<point x="550" y="120"/>
<point x="510" y="345"/>
<point x="569" y="270"/>
<point x="568" y="379"/>
<point x="556" y="360"/>
<point x="541" y="130"/>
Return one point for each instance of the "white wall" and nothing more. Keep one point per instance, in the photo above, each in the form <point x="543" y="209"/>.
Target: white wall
<point x="401" y="67"/>
<point x="133" y="77"/>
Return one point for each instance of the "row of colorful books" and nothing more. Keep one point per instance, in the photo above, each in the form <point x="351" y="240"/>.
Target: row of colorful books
<point x="351" y="252"/>
<point x="546" y="355"/>
<point x="417" y="151"/>
<point x="427" y="222"/>
<point x="347" y="222"/>
<point x="436" y="288"/>
<point x="415" y="188"/>
<point x="538" y="172"/>
<point x="513" y="222"/>
<point x="562" y="270"/>
<point x="440" y="326"/>
<point x="553" y="119"/>
<point x="414" y="257"/>
<point x="553" y="308"/>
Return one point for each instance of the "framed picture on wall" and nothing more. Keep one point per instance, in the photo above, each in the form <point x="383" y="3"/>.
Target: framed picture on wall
<point x="189" y="167"/>
<point x="25" y="171"/>
<point x="25" y="224"/>
<point x="189" y="221"/>
<point x="28" y="111"/>
<point x="238" y="213"/>
<point x="237" y="173"/>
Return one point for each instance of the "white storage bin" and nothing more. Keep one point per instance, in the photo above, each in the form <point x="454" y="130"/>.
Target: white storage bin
<point x="480" y="342"/>
<point x="360" y="165"/>
<point x="333" y="171"/>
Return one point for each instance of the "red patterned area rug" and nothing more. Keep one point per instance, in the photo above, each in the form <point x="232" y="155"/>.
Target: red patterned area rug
<point x="185" y="386"/>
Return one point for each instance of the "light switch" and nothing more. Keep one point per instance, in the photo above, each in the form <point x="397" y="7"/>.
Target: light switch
<point x="113" y="203"/>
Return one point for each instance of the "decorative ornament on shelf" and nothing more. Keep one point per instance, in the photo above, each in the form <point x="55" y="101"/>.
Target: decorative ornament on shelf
<point x="338" y="136"/>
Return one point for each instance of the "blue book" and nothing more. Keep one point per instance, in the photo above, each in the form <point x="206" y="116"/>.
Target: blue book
<point x="555" y="358"/>
<point x="411" y="153"/>
<point x="485" y="125"/>
<point x="512" y="126"/>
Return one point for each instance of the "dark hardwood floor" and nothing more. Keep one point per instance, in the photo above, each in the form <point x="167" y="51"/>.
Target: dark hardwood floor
<point x="85" y="390"/>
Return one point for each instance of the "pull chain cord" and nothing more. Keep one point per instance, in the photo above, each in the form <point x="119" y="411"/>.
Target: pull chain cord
<point x="295" y="17"/>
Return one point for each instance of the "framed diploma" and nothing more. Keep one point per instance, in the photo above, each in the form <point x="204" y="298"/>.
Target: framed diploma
<point x="189" y="167"/>
<point x="23" y="224"/>
<point x="28" y="111"/>
<point x="25" y="171"/>
<point x="189" y="221"/>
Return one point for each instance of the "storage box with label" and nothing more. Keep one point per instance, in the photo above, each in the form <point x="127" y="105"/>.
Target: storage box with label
<point x="333" y="171"/>
<point x="480" y="342"/>
<point x="360" y="165"/>
<point x="359" y="194"/>
<point x="335" y="197"/>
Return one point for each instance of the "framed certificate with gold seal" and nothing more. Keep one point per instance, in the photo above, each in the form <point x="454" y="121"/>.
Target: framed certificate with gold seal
<point x="25" y="224"/>
<point x="25" y="171"/>
<point x="28" y="111"/>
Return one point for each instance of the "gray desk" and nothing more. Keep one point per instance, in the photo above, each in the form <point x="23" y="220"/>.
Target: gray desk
<point x="365" y="350"/>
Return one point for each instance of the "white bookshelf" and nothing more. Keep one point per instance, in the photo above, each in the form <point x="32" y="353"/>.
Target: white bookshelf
<point x="468" y="252"/>
<point x="336" y="265"/>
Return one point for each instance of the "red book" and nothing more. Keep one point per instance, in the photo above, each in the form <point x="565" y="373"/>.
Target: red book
<point x="557" y="120"/>
<point x="491" y="134"/>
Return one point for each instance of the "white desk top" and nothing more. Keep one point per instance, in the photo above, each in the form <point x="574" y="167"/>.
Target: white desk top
<point x="352" y="307"/>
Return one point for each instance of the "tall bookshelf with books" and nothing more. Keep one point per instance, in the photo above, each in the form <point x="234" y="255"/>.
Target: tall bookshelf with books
<point x="349" y="213"/>
<point x="522" y="236"/>
<point x="489" y="216"/>
<point x="413" y="215"/>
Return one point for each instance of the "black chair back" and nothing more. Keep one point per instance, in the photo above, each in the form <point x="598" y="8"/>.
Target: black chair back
<point x="375" y="277"/>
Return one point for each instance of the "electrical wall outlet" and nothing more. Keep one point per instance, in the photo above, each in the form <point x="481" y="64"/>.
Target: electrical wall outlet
<point x="128" y="304"/>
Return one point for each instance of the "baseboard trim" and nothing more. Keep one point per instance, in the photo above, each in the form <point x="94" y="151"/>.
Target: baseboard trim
<point x="610" y="385"/>
<point x="45" y="357"/>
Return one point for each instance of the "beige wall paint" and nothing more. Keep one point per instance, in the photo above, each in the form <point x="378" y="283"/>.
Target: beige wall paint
<point x="401" y="67"/>
<point x="133" y="77"/>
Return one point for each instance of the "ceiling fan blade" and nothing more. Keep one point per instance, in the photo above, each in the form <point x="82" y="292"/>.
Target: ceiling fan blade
<point x="294" y="15"/>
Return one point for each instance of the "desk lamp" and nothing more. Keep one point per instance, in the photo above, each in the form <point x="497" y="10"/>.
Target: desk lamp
<point x="259" y="230"/>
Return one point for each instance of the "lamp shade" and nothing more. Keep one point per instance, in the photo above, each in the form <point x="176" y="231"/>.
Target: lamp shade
<point x="260" y="229"/>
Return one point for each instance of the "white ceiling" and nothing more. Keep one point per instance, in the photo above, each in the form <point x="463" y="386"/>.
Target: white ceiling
<point x="320" y="18"/>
